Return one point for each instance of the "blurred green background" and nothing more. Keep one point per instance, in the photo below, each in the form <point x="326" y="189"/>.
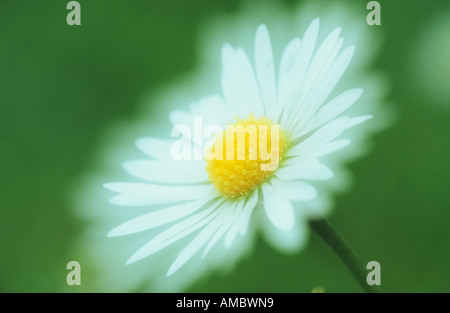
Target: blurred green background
<point x="61" y="86"/>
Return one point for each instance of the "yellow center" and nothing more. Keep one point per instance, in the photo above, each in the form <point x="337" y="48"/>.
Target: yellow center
<point x="245" y="155"/>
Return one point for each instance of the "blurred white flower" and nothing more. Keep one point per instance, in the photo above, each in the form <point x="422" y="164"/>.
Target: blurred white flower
<point x="222" y="206"/>
<point x="180" y="217"/>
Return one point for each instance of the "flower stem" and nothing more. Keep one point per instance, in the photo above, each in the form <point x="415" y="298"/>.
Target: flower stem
<point x="340" y="246"/>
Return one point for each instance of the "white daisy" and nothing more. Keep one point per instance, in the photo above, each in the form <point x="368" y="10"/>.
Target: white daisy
<point x="213" y="201"/>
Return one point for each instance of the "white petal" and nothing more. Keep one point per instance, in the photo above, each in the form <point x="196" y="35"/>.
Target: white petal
<point x="197" y="243"/>
<point x="228" y="220"/>
<point x="320" y="57"/>
<point x="175" y="233"/>
<point x="332" y="109"/>
<point x="285" y="75"/>
<point x="336" y="71"/>
<point x="320" y="137"/>
<point x="158" y="218"/>
<point x="265" y="68"/>
<point x="323" y="150"/>
<point x="300" y="68"/>
<point x="181" y="117"/>
<point x="229" y="238"/>
<point x="327" y="85"/>
<point x="310" y="95"/>
<point x="131" y="200"/>
<point x="306" y="50"/>
<point x="256" y="104"/>
<point x="278" y="209"/>
<point x="156" y="194"/>
<point x="185" y="120"/>
<point x="214" y="111"/>
<point x="294" y="190"/>
<point x="155" y="148"/>
<point x="248" y="210"/>
<point x="358" y="120"/>
<point x="285" y="241"/>
<point x="168" y="172"/>
<point x="236" y="90"/>
<point x="305" y="168"/>
<point x="319" y="61"/>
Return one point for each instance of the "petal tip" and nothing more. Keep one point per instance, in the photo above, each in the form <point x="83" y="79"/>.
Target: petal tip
<point x="131" y="260"/>
<point x="109" y="186"/>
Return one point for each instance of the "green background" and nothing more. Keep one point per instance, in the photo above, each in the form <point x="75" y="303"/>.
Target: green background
<point x="61" y="86"/>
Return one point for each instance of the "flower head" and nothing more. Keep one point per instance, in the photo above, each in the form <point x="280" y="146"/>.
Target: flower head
<point x="268" y="159"/>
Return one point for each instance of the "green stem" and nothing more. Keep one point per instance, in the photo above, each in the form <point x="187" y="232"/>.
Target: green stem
<point x="340" y="246"/>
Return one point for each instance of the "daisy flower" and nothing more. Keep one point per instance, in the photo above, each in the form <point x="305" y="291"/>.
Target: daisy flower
<point x="212" y="200"/>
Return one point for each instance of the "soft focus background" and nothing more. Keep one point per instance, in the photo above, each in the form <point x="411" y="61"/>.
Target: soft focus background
<point x="62" y="88"/>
